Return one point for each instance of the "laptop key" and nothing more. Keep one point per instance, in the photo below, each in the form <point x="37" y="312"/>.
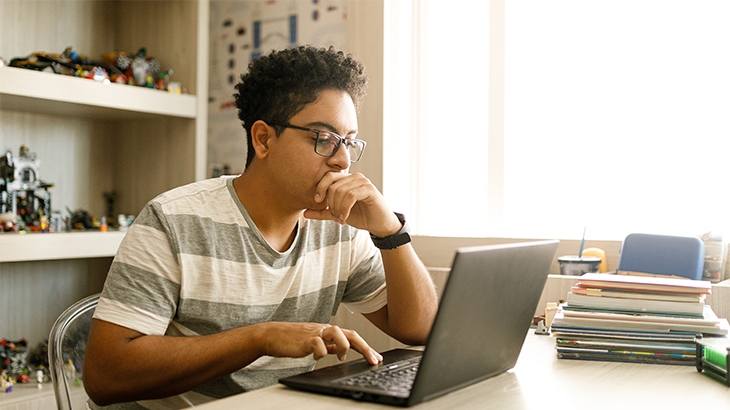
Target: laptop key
<point x="396" y="377"/>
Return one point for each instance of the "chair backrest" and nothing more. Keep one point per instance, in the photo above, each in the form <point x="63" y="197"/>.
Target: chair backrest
<point x="67" y="347"/>
<point x="663" y="255"/>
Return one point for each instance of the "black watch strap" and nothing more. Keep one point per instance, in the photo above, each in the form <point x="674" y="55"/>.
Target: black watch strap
<point x="402" y="237"/>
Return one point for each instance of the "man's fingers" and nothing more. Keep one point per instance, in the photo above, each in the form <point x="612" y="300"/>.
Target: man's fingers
<point x="319" y="350"/>
<point x="322" y="189"/>
<point x="323" y="215"/>
<point x="361" y="346"/>
<point x="334" y="340"/>
<point x="356" y="342"/>
<point x="341" y="192"/>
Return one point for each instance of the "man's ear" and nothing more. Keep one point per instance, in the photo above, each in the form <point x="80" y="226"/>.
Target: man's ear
<point x="260" y="135"/>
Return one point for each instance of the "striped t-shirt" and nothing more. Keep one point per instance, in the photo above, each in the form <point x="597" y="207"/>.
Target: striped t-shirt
<point x="194" y="263"/>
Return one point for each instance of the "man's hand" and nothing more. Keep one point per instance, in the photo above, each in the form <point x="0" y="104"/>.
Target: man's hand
<point x="122" y="364"/>
<point x="299" y="340"/>
<point x="354" y="200"/>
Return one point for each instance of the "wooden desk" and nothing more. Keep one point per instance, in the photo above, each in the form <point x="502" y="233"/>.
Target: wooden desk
<point x="538" y="381"/>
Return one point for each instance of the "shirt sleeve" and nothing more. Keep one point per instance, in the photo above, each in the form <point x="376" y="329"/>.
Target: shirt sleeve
<point x="143" y="285"/>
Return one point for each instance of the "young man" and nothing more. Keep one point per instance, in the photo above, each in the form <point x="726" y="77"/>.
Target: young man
<point x="226" y="285"/>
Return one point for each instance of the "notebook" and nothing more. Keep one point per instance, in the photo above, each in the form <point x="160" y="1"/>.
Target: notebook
<point x="484" y="314"/>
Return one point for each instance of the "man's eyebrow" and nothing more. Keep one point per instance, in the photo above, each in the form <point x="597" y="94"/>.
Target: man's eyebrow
<point x="328" y="127"/>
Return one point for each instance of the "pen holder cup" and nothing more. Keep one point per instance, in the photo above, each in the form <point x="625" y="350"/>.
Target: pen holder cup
<point x="574" y="265"/>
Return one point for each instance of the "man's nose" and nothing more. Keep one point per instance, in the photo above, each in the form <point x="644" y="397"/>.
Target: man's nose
<point x="341" y="157"/>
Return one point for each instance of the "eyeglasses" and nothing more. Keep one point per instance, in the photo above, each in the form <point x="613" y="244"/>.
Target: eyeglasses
<point x="327" y="143"/>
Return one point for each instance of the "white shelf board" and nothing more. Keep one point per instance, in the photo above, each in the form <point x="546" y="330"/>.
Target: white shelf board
<point x="40" y="92"/>
<point x="17" y="247"/>
<point x="29" y="396"/>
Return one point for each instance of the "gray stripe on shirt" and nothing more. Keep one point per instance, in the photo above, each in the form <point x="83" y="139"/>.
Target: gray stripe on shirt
<point x="149" y="289"/>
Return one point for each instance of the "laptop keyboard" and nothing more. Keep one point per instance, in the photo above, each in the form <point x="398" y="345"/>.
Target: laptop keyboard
<point x="395" y="377"/>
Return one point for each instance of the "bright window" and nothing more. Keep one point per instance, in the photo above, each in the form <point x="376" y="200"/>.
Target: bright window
<point x="436" y="69"/>
<point x="610" y="115"/>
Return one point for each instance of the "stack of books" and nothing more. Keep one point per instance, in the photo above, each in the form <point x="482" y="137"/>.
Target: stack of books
<point x="635" y="319"/>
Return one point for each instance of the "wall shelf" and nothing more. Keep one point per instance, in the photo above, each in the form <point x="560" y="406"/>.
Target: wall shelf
<point x="30" y="247"/>
<point x="92" y="138"/>
<point x="48" y="93"/>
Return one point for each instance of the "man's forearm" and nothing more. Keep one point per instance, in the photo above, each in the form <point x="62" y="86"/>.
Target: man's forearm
<point x="123" y="365"/>
<point x="149" y="367"/>
<point x="412" y="300"/>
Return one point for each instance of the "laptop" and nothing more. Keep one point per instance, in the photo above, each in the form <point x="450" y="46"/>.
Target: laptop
<point x="484" y="314"/>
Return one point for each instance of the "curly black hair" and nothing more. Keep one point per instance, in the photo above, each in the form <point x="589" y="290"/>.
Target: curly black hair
<point x="280" y="84"/>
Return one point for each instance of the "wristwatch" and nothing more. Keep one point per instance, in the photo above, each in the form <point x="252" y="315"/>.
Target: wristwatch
<point x="402" y="237"/>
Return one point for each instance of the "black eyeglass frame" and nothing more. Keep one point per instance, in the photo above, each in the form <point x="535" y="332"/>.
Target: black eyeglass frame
<point x="340" y="139"/>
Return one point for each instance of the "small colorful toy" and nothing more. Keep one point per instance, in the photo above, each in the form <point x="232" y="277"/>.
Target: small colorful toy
<point x="24" y="198"/>
<point x="6" y="382"/>
<point x="138" y="69"/>
<point x="14" y="357"/>
<point x="118" y="67"/>
<point x="67" y="62"/>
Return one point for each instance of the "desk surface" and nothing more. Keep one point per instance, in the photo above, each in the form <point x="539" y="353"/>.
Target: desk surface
<point x="538" y="381"/>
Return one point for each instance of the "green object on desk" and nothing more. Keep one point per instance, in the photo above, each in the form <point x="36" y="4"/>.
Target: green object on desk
<point x="713" y="358"/>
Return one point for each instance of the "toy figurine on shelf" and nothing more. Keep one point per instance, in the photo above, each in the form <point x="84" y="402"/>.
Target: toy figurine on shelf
<point x="24" y="197"/>
<point x="40" y="61"/>
<point x="174" y="87"/>
<point x="14" y="358"/>
<point x="99" y="74"/>
<point x="163" y="79"/>
<point x="39" y="378"/>
<point x="138" y="69"/>
<point x="118" y="67"/>
<point x="39" y="359"/>
<point x="144" y="68"/>
<point x="6" y="382"/>
<point x="67" y="62"/>
<point x="80" y="219"/>
<point x="117" y="63"/>
<point x="7" y="175"/>
<point x="8" y="222"/>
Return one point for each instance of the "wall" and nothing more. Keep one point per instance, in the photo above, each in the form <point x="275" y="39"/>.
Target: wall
<point x="34" y="294"/>
<point x="241" y="30"/>
<point x="362" y="17"/>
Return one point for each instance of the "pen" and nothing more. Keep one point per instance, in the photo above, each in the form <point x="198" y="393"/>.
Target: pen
<point x="582" y="242"/>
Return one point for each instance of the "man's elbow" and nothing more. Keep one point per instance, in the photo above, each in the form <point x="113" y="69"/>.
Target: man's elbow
<point x="98" y="385"/>
<point x="102" y="380"/>
<point x="415" y="336"/>
<point x="98" y="399"/>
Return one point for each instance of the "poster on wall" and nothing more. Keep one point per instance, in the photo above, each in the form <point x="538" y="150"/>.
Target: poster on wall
<point x="243" y="30"/>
